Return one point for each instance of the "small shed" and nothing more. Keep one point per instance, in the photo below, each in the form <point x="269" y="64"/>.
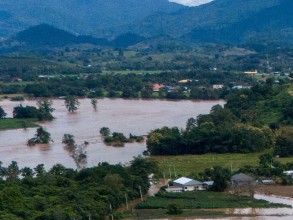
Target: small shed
<point x="208" y="184"/>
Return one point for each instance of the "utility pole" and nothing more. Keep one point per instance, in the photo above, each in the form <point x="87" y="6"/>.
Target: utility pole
<point x="111" y="211"/>
<point x="140" y="193"/>
<point x="175" y="171"/>
<point x="126" y="201"/>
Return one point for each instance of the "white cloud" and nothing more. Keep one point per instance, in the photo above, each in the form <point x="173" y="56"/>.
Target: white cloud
<point x="191" y="2"/>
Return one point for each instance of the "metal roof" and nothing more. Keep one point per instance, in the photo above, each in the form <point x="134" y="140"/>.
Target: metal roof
<point x="187" y="182"/>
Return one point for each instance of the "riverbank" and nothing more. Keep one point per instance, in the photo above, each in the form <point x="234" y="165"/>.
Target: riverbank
<point x="277" y="190"/>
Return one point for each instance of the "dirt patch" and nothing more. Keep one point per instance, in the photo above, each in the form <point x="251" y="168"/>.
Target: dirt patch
<point x="278" y="190"/>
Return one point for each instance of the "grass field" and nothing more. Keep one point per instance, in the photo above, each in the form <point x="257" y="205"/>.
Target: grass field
<point x="184" y="165"/>
<point x="11" y="123"/>
<point x="203" y="200"/>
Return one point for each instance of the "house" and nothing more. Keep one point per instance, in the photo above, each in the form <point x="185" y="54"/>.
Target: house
<point x="241" y="179"/>
<point x="251" y="72"/>
<point x="188" y="184"/>
<point x="185" y="81"/>
<point x="174" y="189"/>
<point x="157" y="87"/>
<point x="220" y="86"/>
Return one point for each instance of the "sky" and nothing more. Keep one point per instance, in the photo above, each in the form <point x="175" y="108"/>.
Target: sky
<point x="191" y="2"/>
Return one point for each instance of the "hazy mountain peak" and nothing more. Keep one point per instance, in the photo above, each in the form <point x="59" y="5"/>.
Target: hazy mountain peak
<point x="191" y="2"/>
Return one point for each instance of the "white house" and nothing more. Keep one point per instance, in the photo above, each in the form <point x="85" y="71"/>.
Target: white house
<point x="188" y="184"/>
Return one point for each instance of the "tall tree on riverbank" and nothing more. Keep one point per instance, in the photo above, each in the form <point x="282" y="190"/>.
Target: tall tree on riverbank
<point x="71" y="103"/>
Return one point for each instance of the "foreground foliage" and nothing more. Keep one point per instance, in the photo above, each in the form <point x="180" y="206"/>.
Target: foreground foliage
<point x="63" y="193"/>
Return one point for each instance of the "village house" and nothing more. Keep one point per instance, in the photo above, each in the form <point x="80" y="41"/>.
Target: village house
<point x="220" y="86"/>
<point x="187" y="184"/>
<point x="158" y="87"/>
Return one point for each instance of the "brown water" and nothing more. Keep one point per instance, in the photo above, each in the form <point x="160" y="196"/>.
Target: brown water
<point x="127" y="116"/>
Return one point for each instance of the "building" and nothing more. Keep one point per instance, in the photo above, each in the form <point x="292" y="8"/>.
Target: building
<point x="241" y="179"/>
<point x="174" y="189"/>
<point x="188" y="184"/>
<point x="253" y="73"/>
<point x="158" y="87"/>
<point x="220" y="86"/>
<point x="208" y="184"/>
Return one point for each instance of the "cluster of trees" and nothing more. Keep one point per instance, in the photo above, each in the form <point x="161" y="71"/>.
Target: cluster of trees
<point x="219" y="132"/>
<point x="63" y="193"/>
<point x="43" y="112"/>
<point x="117" y="139"/>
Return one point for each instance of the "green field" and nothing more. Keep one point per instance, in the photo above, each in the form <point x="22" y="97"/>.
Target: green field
<point x="188" y="213"/>
<point x="11" y="123"/>
<point x="184" y="165"/>
<point x="203" y="200"/>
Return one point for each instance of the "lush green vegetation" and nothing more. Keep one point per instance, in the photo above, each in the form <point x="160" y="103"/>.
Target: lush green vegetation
<point x="63" y="193"/>
<point x="247" y="123"/>
<point x="203" y="200"/>
<point x="12" y="123"/>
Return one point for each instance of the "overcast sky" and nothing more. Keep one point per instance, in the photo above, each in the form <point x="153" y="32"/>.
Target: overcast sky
<point x="191" y="2"/>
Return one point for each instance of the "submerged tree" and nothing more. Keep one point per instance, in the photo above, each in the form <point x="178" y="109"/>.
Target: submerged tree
<point x="105" y="131"/>
<point x="94" y="103"/>
<point x="41" y="137"/>
<point x="45" y="110"/>
<point x="68" y="139"/>
<point x="71" y="103"/>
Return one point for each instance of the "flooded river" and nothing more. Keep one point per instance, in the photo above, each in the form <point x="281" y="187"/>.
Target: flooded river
<point x="127" y="116"/>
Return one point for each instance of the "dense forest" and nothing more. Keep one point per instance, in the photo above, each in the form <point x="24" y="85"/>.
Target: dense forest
<point x="62" y="193"/>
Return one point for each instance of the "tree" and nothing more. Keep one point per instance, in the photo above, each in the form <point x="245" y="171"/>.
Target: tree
<point x="2" y="113"/>
<point x="40" y="170"/>
<point x="174" y="209"/>
<point x="94" y="103"/>
<point x="190" y="124"/>
<point x="68" y="139"/>
<point x="12" y="172"/>
<point x="25" y="112"/>
<point x="41" y="137"/>
<point x="104" y="131"/>
<point x="27" y="172"/>
<point x="45" y="110"/>
<point x="71" y="103"/>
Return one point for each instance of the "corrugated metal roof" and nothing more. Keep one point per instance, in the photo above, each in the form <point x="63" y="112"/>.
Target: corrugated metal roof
<point x="187" y="182"/>
<point x="182" y="180"/>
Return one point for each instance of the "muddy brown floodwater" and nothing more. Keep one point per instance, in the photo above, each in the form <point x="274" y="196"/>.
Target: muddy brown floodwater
<point x="127" y="116"/>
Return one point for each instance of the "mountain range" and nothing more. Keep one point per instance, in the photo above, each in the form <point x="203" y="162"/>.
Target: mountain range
<point x="125" y="22"/>
<point x="89" y="17"/>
